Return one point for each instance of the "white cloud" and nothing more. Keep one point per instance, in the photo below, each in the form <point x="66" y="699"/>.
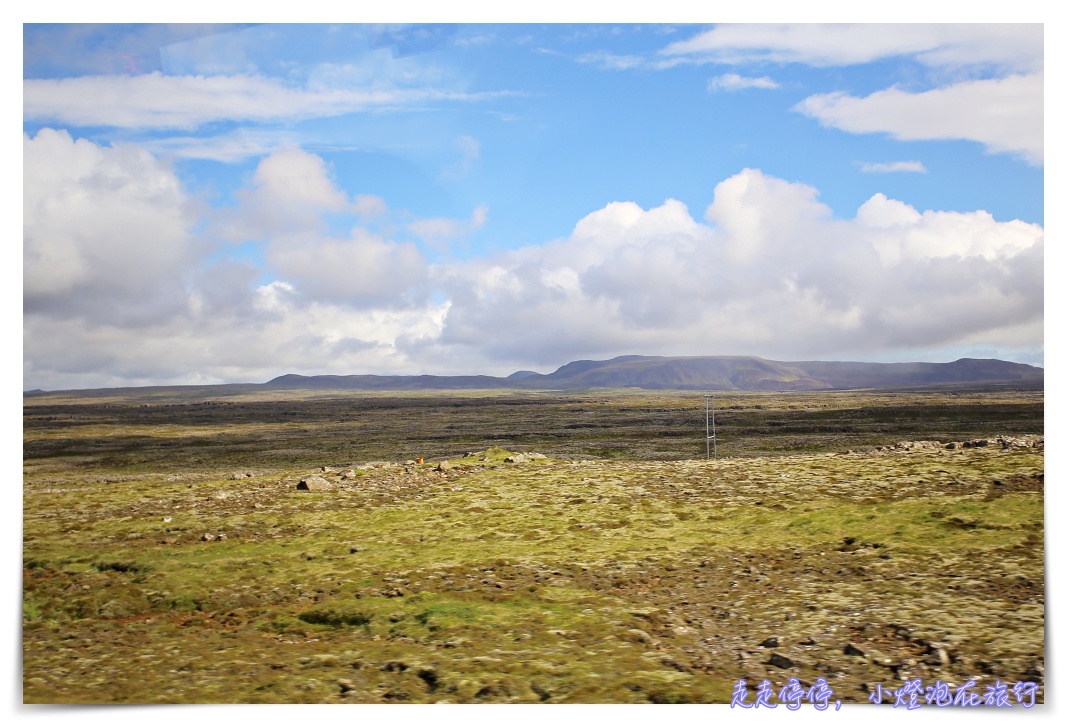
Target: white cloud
<point x="1005" y="115"/>
<point x="152" y="100"/>
<point x="364" y="271"/>
<point x="612" y="61"/>
<point x="369" y="206"/>
<point x="234" y="146"/>
<point x="888" y="167"/>
<point x="119" y="291"/>
<point x="773" y="272"/>
<point x="288" y="193"/>
<point x="282" y="334"/>
<point x="1005" y="46"/>
<point x="734" y="82"/>
<point x="1001" y="106"/>
<point x="105" y="229"/>
<point x="437" y="231"/>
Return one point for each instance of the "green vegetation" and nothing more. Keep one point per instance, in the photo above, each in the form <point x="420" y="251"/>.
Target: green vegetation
<point x="168" y="557"/>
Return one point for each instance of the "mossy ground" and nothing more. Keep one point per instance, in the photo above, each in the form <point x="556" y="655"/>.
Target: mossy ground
<point x="564" y="579"/>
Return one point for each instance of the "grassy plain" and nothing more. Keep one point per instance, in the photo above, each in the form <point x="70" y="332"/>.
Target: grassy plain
<point x="622" y="567"/>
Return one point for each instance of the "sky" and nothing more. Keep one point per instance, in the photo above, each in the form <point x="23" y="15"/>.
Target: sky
<point x="228" y="203"/>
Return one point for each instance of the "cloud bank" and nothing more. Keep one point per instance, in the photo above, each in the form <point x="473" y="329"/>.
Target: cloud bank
<point x="155" y="101"/>
<point x="128" y="280"/>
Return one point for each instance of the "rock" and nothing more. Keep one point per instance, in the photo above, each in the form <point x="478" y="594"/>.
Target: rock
<point x="770" y="642"/>
<point x="977" y="443"/>
<point x="315" y="483"/>
<point x="851" y="649"/>
<point x="781" y="661"/>
<point x="207" y="537"/>
<point x="221" y="537"/>
<point x="443" y="466"/>
<point x="517" y="458"/>
<point x="1023" y="441"/>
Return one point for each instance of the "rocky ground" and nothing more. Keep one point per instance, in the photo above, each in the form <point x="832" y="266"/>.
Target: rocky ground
<point x="499" y="576"/>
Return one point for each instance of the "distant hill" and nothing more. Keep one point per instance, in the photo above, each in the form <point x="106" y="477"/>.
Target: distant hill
<point x="708" y="373"/>
<point x="714" y="373"/>
<point x="376" y="382"/>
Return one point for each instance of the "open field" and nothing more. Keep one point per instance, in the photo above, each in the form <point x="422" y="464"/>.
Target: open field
<point x="621" y="567"/>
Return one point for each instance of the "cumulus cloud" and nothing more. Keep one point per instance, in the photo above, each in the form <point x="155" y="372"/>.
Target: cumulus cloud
<point x="887" y="167"/>
<point x="362" y="271"/>
<point x="288" y="193"/>
<point x="156" y="101"/>
<point x="118" y="290"/>
<point x="734" y="82"/>
<point x="120" y="286"/>
<point x="1005" y="115"/>
<point x="770" y="271"/>
<point x="280" y="334"/>
<point x="105" y="229"/>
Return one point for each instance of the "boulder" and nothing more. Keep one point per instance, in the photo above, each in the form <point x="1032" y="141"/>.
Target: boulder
<point x="315" y="483"/>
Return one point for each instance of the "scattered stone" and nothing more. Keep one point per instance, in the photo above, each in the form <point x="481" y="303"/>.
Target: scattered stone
<point x="207" y="537"/>
<point x="851" y="649"/>
<point x="1023" y="441"/>
<point x="443" y="466"/>
<point x="315" y="483"/>
<point x="517" y="458"/>
<point x="770" y="642"/>
<point x="781" y="661"/>
<point x="221" y="537"/>
<point x="977" y="443"/>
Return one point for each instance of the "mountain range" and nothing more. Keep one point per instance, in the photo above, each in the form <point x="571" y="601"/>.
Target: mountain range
<point x="715" y="373"/>
<point x="710" y="373"/>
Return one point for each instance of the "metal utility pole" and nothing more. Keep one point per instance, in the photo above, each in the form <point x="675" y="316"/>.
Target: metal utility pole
<point x="710" y="436"/>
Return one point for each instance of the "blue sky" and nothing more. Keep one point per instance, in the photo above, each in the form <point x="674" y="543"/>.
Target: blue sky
<point x="230" y="203"/>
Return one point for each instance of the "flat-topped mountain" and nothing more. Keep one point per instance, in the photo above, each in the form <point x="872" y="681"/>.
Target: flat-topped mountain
<point x="714" y="373"/>
<point x="708" y="373"/>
